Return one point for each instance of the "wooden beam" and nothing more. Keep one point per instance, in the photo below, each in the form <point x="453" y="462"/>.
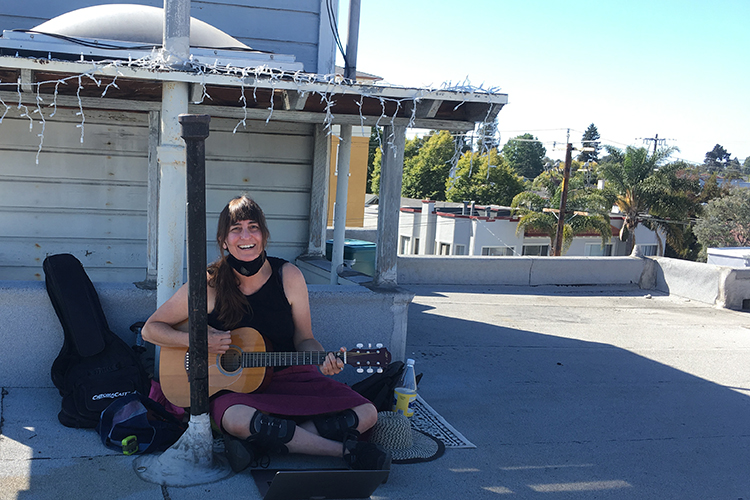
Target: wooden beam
<point x="427" y="108"/>
<point x="27" y="80"/>
<point x="64" y="101"/>
<point x="295" y="101"/>
<point x="122" y="71"/>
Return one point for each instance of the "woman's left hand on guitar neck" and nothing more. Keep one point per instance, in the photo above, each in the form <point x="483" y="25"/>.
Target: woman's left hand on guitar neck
<point x="332" y="364"/>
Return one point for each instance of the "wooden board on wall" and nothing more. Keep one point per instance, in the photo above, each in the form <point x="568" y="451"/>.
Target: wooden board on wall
<point x="90" y="198"/>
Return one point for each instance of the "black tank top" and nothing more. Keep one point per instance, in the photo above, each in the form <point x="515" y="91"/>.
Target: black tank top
<point x="270" y="312"/>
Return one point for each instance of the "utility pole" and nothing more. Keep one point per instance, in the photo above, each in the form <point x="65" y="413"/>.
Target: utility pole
<point x="563" y="199"/>
<point x="655" y="139"/>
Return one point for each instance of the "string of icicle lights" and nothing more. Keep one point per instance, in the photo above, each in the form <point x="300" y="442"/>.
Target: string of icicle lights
<point x="250" y="78"/>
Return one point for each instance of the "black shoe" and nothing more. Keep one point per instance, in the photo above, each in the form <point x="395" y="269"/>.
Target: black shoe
<point x="337" y="427"/>
<point x="367" y="456"/>
<point x="240" y="453"/>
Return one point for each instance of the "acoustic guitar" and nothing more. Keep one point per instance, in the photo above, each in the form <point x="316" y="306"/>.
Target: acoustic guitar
<point x="248" y="366"/>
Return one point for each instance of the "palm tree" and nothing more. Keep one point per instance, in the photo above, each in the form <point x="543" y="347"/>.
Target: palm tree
<point x="678" y="202"/>
<point x="530" y="206"/>
<point x="640" y="188"/>
<point x="588" y="206"/>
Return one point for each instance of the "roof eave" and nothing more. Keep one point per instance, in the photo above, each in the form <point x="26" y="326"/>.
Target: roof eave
<point x="415" y="107"/>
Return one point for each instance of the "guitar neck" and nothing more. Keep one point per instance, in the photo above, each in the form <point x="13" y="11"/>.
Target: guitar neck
<point x="268" y="359"/>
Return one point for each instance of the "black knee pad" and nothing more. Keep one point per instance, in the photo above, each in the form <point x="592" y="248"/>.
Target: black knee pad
<point x="271" y="433"/>
<point x="336" y="427"/>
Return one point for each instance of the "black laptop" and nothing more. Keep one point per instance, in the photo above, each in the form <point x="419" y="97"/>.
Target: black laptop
<point x="317" y="484"/>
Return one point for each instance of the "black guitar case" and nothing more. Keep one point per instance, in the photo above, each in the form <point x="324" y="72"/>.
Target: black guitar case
<point x="94" y="366"/>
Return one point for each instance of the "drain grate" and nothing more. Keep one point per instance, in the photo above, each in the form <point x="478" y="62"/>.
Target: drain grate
<point x="427" y="420"/>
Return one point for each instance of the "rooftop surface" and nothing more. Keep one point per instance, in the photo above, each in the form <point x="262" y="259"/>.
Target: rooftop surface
<point x="567" y="392"/>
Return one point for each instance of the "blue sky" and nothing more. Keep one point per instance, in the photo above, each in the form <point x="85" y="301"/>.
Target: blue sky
<point x="679" y="69"/>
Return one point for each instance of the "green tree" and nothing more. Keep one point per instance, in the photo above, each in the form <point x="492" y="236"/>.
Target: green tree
<point x="376" y="139"/>
<point x="474" y="180"/>
<point x="639" y="188"/>
<point x="426" y="171"/>
<point x="670" y="212"/>
<point x="377" y="162"/>
<point x="525" y="154"/>
<point x="411" y="149"/>
<point x="487" y="136"/>
<point x="586" y="210"/>
<point x="590" y="139"/>
<point x="530" y="207"/>
<point x="717" y="159"/>
<point x="711" y="189"/>
<point x="725" y="221"/>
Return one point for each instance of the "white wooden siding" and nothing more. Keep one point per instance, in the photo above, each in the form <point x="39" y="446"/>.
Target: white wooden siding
<point x="90" y="199"/>
<point x="279" y="26"/>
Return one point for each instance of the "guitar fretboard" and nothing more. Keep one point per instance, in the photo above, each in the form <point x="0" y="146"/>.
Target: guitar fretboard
<point x="263" y="359"/>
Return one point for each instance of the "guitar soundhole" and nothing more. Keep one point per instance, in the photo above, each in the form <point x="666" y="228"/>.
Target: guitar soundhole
<point x="231" y="361"/>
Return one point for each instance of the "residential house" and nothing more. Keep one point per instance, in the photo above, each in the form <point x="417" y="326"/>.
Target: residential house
<point x="467" y="229"/>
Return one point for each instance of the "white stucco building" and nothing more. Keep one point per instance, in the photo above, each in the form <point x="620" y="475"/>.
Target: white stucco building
<point x="478" y="230"/>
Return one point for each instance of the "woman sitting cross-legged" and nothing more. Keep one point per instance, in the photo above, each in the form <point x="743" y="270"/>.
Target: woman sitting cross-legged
<point x="302" y="410"/>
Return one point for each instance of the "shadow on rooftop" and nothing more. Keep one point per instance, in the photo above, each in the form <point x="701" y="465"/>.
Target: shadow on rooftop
<point x="576" y="418"/>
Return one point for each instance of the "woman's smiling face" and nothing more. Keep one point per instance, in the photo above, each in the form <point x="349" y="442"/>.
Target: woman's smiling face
<point x="245" y="240"/>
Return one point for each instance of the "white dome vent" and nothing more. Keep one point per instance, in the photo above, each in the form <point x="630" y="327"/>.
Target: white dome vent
<point x="132" y="23"/>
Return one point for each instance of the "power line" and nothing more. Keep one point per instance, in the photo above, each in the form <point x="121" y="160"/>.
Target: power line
<point x="334" y="28"/>
<point x="655" y="139"/>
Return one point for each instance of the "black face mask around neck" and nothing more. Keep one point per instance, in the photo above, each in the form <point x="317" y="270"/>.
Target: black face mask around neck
<point x="246" y="268"/>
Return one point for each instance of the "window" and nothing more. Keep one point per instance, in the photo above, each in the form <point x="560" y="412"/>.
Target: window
<point x="403" y="245"/>
<point x="542" y="250"/>
<point x="497" y="251"/>
<point x="648" y="250"/>
<point x="595" y="250"/>
<point x="445" y="249"/>
<point x="459" y="249"/>
<point x="415" y="250"/>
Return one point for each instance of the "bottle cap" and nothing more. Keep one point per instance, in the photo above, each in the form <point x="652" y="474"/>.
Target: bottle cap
<point x="409" y="361"/>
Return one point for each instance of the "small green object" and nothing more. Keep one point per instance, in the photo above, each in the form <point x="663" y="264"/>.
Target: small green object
<point x="130" y="445"/>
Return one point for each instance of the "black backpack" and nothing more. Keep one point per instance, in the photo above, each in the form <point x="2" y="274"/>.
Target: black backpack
<point x="94" y="366"/>
<point x="136" y="424"/>
<point x="378" y="388"/>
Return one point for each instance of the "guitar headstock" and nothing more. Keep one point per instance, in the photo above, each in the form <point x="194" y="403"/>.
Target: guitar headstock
<point x="370" y="360"/>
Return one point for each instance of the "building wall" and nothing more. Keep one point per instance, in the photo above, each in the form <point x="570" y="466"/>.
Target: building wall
<point x="279" y="26"/>
<point x="476" y="233"/>
<point x="496" y="233"/>
<point x="355" y="205"/>
<point x="90" y="198"/>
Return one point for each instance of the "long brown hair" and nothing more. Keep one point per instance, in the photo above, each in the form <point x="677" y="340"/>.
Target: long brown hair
<point x="231" y="305"/>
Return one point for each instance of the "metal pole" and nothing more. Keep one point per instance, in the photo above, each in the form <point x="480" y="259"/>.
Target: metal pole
<point x="176" y="32"/>
<point x="350" y="64"/>
<point x="191" y="459"/>
<point x="339" y="209"/>
<point x="563" y="201"/>
<point x="194" y="132"/>
<point x="171" y="154"/>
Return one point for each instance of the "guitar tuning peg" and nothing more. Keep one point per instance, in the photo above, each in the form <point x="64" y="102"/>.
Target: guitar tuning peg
<point x="370" y="370"/>
<point x="369" y="346"/>
<point x="360" y="370"/>
<point x="379" y="345"/>
<point x="360" y="345"/>
<point x="379" y="370"/>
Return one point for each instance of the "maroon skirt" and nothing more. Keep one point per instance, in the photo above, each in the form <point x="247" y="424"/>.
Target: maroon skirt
<point x="294" y="391"/>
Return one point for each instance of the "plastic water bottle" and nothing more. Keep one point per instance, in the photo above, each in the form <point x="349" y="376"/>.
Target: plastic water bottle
<point x="405" y="392"/>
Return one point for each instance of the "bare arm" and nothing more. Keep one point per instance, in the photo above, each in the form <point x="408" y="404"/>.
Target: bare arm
<point x="295" y="289"/>
<point x="168" y="325"/>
